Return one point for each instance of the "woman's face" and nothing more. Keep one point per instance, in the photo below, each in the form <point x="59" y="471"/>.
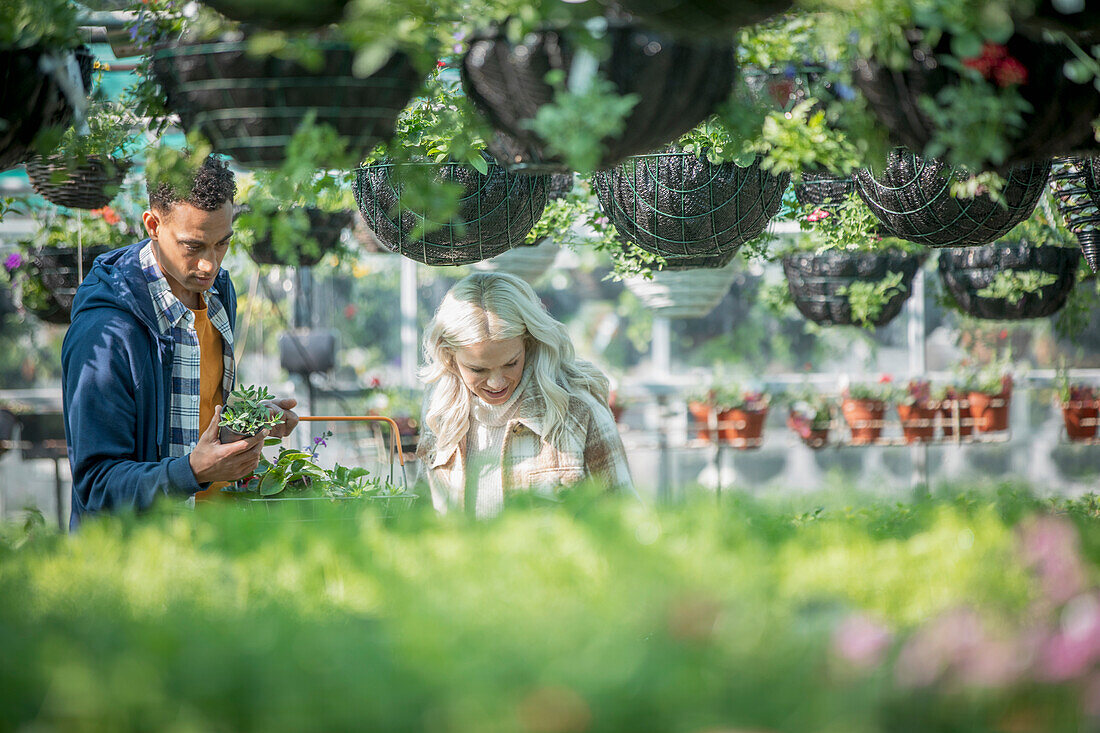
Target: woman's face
<point x="491" y="369"/>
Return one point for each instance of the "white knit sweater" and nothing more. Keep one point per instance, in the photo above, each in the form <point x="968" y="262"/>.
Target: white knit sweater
<point x="484" y="448"/>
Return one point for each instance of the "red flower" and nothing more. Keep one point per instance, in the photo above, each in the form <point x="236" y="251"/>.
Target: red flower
<point x="885" y="379"/>
<point x="1003" y="334"/>
<point x="349" y="311"/>
<point x="1010" y="72"/>
<point x="109" y="215"/>
<point x="994" y="64"/>
<point x="818" y="215"/>
<point x="375" y="382"/>
<point x="440" y="64"/>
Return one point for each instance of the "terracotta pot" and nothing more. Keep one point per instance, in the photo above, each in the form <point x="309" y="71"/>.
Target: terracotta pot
<point x="990" y="412"/>
<point x="700" y="414"/>
<point x="918" y="421"/>
<point x="742" y="427"/>
<point x="1081" y="419"/>
<point x="817" y="439"/>
<point x="947" y="418"/>
<point x="864" y="417"/>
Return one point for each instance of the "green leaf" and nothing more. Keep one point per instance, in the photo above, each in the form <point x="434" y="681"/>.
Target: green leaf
<point x="272" y="441"/>
<point x="966" y="45"/>
<point x="478" y="163"/>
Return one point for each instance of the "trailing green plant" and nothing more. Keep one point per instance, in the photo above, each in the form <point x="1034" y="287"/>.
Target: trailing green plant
<point x="559" y="218"/>
<point x="867" y="298"/>
<point x="848" y="227"/>
<point x="1013" y="285"/>
<point x="246" y="411"/>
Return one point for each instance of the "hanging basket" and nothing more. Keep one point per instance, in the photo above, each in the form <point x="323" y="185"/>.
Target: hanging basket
<point x="702" y="17"/>
<point x="250" y="106"/>
<point x="683" y="293"/>
<point x="1059" y="123"/>
<point x="1074" y="185"/>
<point x="912" y="199"/>
<point x="89" y="185"/>
<point x="682" y="207"/>
<point x="55" y="268"/>
<point x="495" y="213"/>
<point x="560" y="185"/>
<point x="967" y="271"/>
<point x="281" y="14"/>
<point x="325" y="227"/>
<point x="816" y="283"/>
<point x="31" y="101"/>
<point x="527" y="261"/>
<point x="678" y="85"/>
<point x="823" y="190"/>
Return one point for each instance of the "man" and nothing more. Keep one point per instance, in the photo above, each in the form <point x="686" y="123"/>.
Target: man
<point x="148" y="359"/>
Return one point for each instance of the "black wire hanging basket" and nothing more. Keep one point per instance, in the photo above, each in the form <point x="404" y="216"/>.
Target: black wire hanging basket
<point x="325" y="227"/>
<point x="912" y="199"/>
<point x="281" y="14"/>
<point x="687" y="209"/>
<point x="966" y="272"/>
<point x="679" y="83"/>
<point x="702" y="17"/>
<point x="31" y="101"/>
<point x="824" y="190"/>
<point x="90" y="184"/>
<point x="249" y="106"/>
<point x="495" y="213"/>
<point x="819" y="283"/>
<point x="55" y="269"/>
<point x="1074" y="184"/>
<point x="1061" y="110"/>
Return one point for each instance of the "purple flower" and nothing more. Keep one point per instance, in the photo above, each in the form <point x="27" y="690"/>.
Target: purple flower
<point x="320" y="440"/>
<point x="13" y="261"/>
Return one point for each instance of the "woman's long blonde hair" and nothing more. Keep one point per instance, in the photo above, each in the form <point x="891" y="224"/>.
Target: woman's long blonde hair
<point x="492" y="306"/>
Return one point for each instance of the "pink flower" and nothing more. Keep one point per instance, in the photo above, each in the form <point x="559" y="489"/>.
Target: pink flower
<point x="861" y="641"/>
<point x="375" y="382"/>
<point x="1049" y="546"/>
<point x="885" y="379"/>
<point x="818" y="215"/>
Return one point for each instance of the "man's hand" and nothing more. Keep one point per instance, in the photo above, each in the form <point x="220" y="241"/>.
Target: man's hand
<point x="212" y="460"/>
<point x="290" y="420"/>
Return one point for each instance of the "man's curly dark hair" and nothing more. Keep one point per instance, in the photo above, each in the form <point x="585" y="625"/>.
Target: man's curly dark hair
<point x="213" y="185"/>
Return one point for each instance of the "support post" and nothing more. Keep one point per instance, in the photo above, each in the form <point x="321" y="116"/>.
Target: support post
<point x="408" y="322"/>
<point x="661" y="347"/>
<point x="918" y="365"/>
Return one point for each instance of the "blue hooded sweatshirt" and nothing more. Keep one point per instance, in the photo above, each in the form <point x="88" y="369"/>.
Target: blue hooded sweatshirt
<point x="116" y="387"/>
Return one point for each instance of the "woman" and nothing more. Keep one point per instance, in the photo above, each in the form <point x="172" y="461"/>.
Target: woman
<point x="509" y="406"/>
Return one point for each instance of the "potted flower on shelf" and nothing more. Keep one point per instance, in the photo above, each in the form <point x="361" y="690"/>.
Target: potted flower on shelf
<point x="990" y="395"/>
<point x="1080" y="408"/>
<point x="863" y="405"/>
<point x="248" y="411"/>
<point x="917" y="411"/>
<point x="810" y="415"/>
<point x="700" y="405"/>
<point x="740" y="416"/>
<point x="954" y="411"/>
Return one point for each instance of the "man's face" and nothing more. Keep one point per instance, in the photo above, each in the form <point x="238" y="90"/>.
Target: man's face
<point x="189" y="245"/>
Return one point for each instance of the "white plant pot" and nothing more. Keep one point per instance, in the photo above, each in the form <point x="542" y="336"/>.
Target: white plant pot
<point x="683" y="293"/>
<point x="527" y="262"/>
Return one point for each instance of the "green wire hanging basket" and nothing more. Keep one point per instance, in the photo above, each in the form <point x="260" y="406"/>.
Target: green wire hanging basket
<point x="678" y="84"/>
<point x="818" y="283"/>
<point x="91" y="184"/>
<point x="686" y="209"/>
<point x="325" y="227"/>
<point x="249" y="106"/>
<point x="1074" y="184"/>
<point x="912" y="199"/>
<point x="495" y="213"/>
<point x="55" y="268"/>
<point x="967" y="271"/>
<point x="31" y="101"/>
<point x="823" y="190"/>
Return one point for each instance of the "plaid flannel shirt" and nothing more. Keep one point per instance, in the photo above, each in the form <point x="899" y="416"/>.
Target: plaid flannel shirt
<point x="177" y="319"/>
<point x="590" y="448"/>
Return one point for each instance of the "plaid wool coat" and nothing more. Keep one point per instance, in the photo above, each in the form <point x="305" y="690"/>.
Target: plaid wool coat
<point x="590" y="447"/>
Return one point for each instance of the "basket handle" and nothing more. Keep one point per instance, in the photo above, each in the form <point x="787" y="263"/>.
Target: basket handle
<point x="394" y="432"/>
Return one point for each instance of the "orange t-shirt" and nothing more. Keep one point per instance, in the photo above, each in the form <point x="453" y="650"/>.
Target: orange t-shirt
<point x="211" y="370"/>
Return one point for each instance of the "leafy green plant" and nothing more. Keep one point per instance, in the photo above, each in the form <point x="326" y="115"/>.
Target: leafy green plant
<point x="867" y="298"/>
<point x="558" y="219"/>
<point x="881" y="390"/>
<point x="1013" y="285"/>
<point x="728" y="395"/>
<point x="246" y="412"/>
<point x="993" y="378"/>
<point x="50" y="23"/>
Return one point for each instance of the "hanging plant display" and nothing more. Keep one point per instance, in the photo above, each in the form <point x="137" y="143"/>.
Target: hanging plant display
<point x="650" y="89"/>
<point x="865" y="289"/>
<point x="250" y="106"/>
<point x="31" y="101"/>
<point x="692" y="292"/>
<point x="1009" y="281"/>
<point x="52" y="279"/>
<point x="913" y="199"/>
<point x="823" y="190"/>
<point x="325" y="229"/>
<point x="1041" y="112"/>
<point x="702" y="17"/>
<point x="683" y="207"/>
<point x="496" y="210"/>
<point x="91" y="184"/>
<point x="1073" y="181"/>
<point x="281" y="14"/>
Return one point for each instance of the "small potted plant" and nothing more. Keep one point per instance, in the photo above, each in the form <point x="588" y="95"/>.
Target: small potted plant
<point x="954" y="411"/>
<point x="810" y="415"/>
<point x="863" y="405"/>
<point x="917" y="411"/>
<point x="700" y="405"/>
<point x="990" y="395"/>
<point x="248" y="411"/>
<point x="1080" y="408"/>
<point x="740" y="415"/>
